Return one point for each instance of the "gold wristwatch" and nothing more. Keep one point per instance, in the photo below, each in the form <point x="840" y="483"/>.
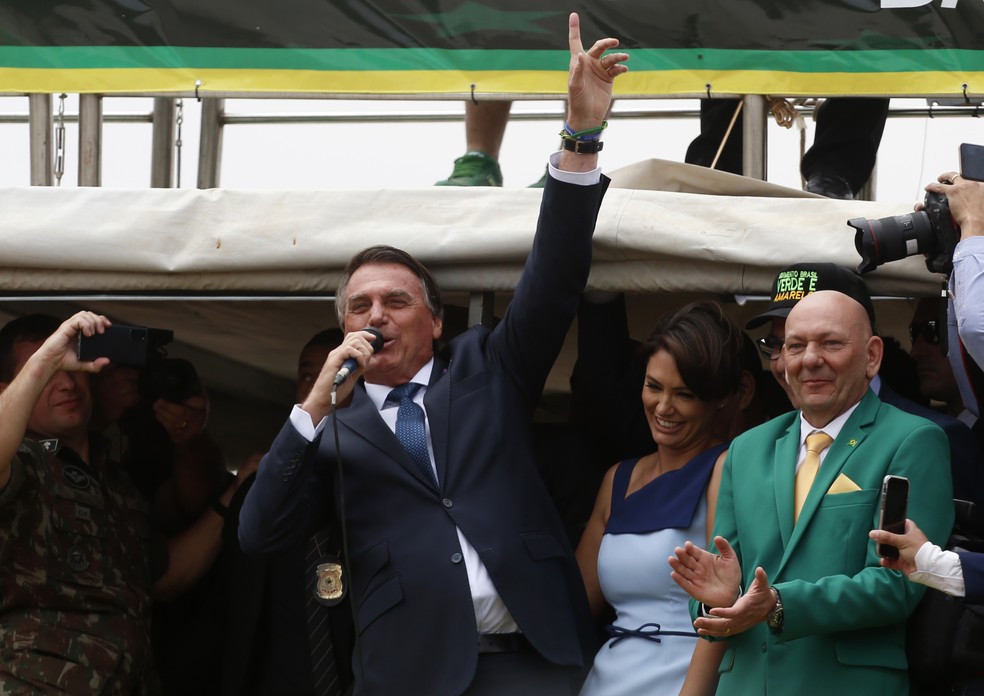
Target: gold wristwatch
<point x="776" y="617"/>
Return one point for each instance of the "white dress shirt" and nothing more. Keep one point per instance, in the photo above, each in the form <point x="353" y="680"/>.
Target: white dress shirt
<point x="832" y="428"/>
<point x="965" y="315"/>
<point x="939" y="569"/>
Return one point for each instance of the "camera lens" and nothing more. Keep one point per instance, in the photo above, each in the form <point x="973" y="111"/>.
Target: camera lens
<point x="891" y="238"/>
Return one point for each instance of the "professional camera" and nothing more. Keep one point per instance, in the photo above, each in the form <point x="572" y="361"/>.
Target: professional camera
<point x="930" y="232"/>
<point x="161" y="377"/>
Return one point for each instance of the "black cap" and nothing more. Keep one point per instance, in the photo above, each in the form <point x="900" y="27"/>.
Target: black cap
<point x="795" y="282"/>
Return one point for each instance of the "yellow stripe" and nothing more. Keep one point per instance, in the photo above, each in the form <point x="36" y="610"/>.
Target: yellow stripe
<point x="937" y="83"/>
<point x="634" y="84"/>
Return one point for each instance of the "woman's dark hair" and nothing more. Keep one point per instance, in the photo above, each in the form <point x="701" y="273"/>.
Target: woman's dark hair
<point x="706" y="346"/>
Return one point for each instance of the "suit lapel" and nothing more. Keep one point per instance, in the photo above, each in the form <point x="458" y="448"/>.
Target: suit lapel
<point x="437" y="402"/>
<point x="784" y="478"/>
<point x="843" y="448"/>
<point x="363" y="420"/>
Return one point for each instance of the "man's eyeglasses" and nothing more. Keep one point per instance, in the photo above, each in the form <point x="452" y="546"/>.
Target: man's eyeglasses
<point x="770" y="346"/>
<point x="926" y="329"/>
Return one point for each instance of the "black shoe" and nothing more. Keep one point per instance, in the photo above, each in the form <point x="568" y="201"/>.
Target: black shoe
<point x="830" y="186"/>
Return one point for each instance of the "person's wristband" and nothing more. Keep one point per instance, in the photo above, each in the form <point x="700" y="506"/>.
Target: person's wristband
<point x="583" y="135"/>
<point x="220" y="509"/>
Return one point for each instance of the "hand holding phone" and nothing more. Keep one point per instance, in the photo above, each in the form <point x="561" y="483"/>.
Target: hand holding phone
<point x="124" y="345"/>
<point x="892" y="511"/>
<point x="972" y="161"/>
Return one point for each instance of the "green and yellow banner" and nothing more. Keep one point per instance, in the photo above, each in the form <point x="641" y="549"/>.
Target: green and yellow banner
<point x="510" y="47"/>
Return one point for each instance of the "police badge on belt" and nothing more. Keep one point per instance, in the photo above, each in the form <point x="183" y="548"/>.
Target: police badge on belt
<point x="330" y="583"/>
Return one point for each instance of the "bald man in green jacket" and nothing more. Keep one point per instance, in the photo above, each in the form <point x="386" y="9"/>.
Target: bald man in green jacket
<point x="796" y="588"/>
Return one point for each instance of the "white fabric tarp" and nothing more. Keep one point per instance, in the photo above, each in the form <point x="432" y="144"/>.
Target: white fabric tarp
<point x="85" y="240"/>
<point x="669" y="234"/>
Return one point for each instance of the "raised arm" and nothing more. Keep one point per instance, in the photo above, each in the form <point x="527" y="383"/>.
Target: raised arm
<point x="589" y="90"/>
<point x="527" y="341"/>
<point x="966" y="201"/>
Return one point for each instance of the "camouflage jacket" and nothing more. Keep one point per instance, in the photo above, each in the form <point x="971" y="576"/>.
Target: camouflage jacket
<point x="74" y="576"/>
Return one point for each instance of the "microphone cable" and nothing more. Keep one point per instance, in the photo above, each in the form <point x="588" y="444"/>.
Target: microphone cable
<point x="343" y="529"/>
<point x="348" y="367"/>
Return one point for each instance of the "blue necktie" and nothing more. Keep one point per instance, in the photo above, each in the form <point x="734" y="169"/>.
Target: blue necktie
<point x="411" y="429"/>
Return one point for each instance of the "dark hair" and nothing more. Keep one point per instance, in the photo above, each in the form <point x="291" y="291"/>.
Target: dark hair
<point x="706" y="346"/>
<point x="29" y="328"/>
<point x="898" y="371"/>
<point x="327" y="337"/>
<point x="383" y="254"/>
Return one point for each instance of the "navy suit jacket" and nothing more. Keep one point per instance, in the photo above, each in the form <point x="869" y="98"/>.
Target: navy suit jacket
<point x="415" y="623"/>
<point x="973" y="572"/>
<point x="966" y="462"/>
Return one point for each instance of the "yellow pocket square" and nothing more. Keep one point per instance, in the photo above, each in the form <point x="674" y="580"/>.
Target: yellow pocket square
<point x="843" y="485"/>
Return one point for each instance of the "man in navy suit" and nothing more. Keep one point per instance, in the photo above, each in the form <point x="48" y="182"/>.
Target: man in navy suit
<point x="459" y="568"/>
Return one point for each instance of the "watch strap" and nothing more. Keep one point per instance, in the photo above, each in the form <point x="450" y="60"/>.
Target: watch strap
<point x="582" y="147"/>
<point x="776" y="617"/>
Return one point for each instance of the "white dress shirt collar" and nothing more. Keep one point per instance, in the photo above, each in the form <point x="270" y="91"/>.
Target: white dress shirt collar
<point x="379" y="392"/>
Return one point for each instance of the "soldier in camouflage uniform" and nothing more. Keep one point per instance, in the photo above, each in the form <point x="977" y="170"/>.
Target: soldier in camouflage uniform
<point x="75" y="538"/>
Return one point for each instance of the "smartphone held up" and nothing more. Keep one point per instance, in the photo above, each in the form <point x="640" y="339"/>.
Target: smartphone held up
<point x="892" y="511"/>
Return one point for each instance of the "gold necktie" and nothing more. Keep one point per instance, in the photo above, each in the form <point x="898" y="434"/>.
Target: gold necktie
<point x="816" y="443"/>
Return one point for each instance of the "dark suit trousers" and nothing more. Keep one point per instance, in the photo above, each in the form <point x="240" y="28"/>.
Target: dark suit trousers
<point x="848" y="133"/>
<point x="523" y="674"/>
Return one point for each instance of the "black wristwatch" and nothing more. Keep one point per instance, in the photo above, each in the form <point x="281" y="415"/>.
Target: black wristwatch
<point x="582" y="147"/>
<point x="776" y="617"/>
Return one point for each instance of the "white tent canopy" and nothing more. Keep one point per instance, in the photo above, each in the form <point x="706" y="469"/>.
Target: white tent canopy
<point x="225" y="242"/>
<point x="64" y="249"/>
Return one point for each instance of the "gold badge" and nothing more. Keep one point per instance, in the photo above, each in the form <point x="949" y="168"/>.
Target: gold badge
<point x="329" y="588"/>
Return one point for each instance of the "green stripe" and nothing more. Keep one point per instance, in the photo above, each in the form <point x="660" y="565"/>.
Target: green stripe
<point x="360" y="59"/>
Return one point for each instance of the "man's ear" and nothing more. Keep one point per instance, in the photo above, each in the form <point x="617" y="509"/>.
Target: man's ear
<point x="874" y="352"/>
<point x="746" y="389"/>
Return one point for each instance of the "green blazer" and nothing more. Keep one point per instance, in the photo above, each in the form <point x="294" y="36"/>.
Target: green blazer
<point x="845" y="615"/>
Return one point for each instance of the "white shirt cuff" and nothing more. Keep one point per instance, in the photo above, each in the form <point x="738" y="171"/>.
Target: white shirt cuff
<point x="580" y="178"/>
<point x="704" y="610"/>
<point x="305" y="427"/>
<point x="939" y="569"/>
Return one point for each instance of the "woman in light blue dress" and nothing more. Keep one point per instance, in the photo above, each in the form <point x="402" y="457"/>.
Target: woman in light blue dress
<point x="649" y="505"/>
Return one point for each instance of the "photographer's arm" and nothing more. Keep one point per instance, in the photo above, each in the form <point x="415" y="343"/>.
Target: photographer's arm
<point x="966" y="200"/>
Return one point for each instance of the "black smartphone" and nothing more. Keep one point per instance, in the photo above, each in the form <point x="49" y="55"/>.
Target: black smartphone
<point x="122" y="344"/>
<point x="892" y="511"/>
<point x="972" y="161"/>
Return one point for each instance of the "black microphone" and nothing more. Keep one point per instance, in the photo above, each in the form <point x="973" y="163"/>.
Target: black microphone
<point x="350" y="364"/>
